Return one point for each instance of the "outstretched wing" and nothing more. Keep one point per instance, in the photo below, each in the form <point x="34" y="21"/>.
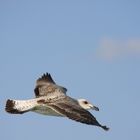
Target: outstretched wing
<point x="73" y="111"/>
<point x="45" y="86"/>
<point x="45" y="78"/>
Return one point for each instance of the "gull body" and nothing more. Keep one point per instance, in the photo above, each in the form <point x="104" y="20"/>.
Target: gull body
<point x="51" y="100"/>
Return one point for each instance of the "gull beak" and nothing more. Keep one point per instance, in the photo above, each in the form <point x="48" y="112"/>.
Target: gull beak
<point x="95" y="108"/>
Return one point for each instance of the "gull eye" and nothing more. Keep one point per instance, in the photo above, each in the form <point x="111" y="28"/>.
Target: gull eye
<point x="85" y="102"/>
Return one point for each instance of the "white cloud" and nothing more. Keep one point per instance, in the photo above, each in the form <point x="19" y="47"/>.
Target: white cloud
<point x="111" y="49"/>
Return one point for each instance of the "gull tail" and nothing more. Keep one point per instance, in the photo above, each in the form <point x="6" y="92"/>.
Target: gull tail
<point x="20" y="106"/>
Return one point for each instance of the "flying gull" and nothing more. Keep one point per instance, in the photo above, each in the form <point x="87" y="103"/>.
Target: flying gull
<point x="51" y="99"/>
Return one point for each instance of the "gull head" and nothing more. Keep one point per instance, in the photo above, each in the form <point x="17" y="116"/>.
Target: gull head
<point x="86" y="105"/>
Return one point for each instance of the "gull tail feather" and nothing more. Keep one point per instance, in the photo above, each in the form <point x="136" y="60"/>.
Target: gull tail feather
<point x="20" y="106"/>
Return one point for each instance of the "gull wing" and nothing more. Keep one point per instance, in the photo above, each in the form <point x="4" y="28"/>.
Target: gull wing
<point x="74" y="111"/>
<point x="45" y="86"/>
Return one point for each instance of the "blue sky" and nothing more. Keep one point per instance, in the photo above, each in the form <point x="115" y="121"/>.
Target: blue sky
<point x="91" y="47"/>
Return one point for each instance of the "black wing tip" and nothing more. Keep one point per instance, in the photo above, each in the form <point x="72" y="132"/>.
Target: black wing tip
<point x="46" y="77"/>
<point x="105" y="128"/>
<point x="10" y="107"/>
<point x="46" y="74"/>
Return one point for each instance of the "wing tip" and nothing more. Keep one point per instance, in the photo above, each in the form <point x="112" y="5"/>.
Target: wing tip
<point x="105" y="128"/>
<point x="46" y="77"/>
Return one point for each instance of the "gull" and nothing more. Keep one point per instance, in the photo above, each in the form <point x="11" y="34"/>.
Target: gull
<point x="51" y="99"/>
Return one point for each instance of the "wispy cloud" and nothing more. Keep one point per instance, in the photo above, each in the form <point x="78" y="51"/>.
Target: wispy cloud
<point x="111" y="49"/>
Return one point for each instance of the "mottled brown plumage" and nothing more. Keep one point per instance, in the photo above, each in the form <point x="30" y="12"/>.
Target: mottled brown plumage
<point x="51" y="99"/>
<point x="46" y="85"/>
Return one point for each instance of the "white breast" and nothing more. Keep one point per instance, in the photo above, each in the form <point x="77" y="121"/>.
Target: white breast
<point x="45" y="110"/>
